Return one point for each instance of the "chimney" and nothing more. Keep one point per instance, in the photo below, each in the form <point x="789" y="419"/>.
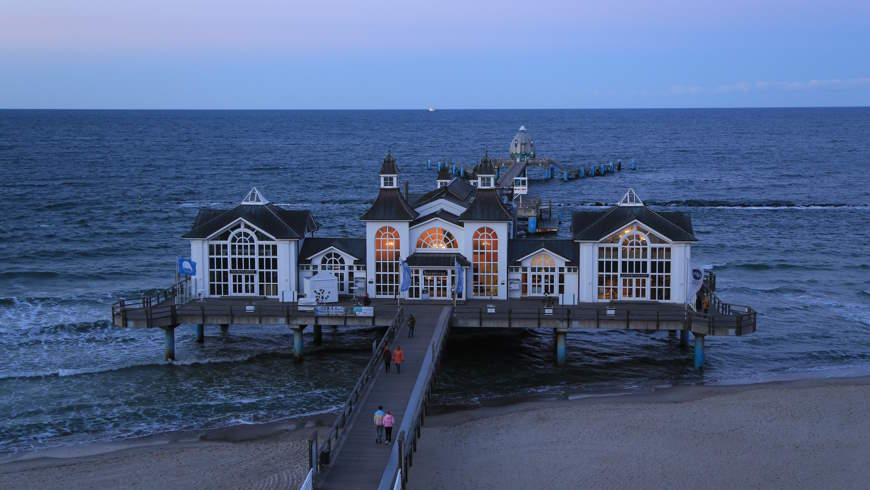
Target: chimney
<point x="406" y="189"/>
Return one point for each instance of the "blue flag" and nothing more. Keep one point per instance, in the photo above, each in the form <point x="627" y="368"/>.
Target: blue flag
<point x="186" y="267"/>
<point x="406" y="278"/>
<point x="460" y="278"/>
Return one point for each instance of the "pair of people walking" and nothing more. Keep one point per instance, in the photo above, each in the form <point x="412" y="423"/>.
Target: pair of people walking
<point x="397" y="357"/>
<point x="384" y="422"/>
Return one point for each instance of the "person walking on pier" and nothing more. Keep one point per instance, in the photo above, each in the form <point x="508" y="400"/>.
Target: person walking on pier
<point x="379" y="424"/>
<point x="389" y="421"/>
<point x="387" y="358"/>
<point x="412" y="322"/>
<point x="398" y="358"/>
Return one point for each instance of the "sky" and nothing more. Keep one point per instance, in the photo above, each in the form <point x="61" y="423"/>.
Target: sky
<point x="394" y="54"/>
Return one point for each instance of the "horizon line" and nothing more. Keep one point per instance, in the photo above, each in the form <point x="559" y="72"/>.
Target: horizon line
<point x="425" y="109"/>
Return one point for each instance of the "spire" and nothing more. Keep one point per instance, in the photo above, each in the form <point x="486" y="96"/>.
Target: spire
<point x="255" y="198"/>
<point x="630" y="199"/>
<point x="389" y="172"/>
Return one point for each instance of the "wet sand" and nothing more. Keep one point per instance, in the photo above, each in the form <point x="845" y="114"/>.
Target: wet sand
<point x="804" y="434"/>
<point x="799" y="434"/>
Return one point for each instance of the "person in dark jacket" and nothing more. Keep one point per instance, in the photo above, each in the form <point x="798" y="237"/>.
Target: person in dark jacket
<point x="387" y="357"/>
<point x="412" y="322"/>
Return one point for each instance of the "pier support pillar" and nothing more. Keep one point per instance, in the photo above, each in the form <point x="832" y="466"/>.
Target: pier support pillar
<point x="318" y="334"/>
<point x="561" y="347"/>
<point x="684" y="338"/>
<point x="225" y="328"/>
<point x="169" y="335"/>
<point x="699" y="351"/>
<point x="297" y="342"/>
<point x="672" y="334"/>
<point x="200" y="333"/>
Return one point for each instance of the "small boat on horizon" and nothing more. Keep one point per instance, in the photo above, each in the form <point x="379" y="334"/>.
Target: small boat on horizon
<point x="431" y="109"/>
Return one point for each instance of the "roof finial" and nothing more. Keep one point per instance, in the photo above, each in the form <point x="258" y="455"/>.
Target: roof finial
<point x="254" y="197"/>
<point x="630" y="199"/>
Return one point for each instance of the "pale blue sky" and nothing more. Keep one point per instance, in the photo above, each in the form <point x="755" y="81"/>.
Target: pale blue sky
<point x="448" y="54"/>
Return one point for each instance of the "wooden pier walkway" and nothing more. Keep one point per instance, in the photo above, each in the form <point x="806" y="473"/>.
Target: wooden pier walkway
<point x="357" y="462"/>
<point x="507" y="178"/>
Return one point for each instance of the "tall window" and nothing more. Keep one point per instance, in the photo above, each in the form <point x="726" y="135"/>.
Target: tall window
<point x="660" y="273"/>
<point x="484" y="246"/>
<point x="387" y="261"/>
<point x="218" y="269"/>
<point x="437" y="238"/>
<point x="267" y="261"/>
<point x="608" y="272"/>
<point x="243" y="262"/>
<point x="543" y="275"/>
<point x="334" y="263"/>
<point x="634" y="254"/>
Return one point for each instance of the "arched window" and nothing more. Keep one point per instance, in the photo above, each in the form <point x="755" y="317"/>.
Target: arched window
<point x="387" y="268"/>
<point x="437" y="238"/>
<point x="484" y="277"/>
<point x="542" y="272"/>
<point x="243" y="262"/>
<point x="634" y="265"/>
<point x="334" y="263"/>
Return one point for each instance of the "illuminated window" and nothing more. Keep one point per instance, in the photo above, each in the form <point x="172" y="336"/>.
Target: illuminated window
<point x="334" y="263"/>
<point x="542" y="274"/>
<point x="437" y="238"/>
<point x="387" y="267"/>
<point x="660" y="273"/>
<point x="484" y="245"/>
<point x="608" y="272"/>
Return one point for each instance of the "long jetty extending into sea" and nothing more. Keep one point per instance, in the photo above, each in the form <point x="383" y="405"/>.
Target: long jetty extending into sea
<point x="343" y="457"/>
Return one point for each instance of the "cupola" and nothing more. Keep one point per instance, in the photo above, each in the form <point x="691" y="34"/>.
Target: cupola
<point x="485" y="173"/>
<point x="389" y="172"/>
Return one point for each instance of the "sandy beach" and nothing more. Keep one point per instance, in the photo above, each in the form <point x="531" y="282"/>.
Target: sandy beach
<point x="799" y="434"/>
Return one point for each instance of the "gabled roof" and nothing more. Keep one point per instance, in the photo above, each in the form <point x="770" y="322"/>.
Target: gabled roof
<point x="441" y="214"/>
<point x="486" y="206"/>
<point x="281" y="223"/>
<point x="458" y="191"/>
<point x="518" y="249"/>
<point x="485" y="167"/>
<point x="390" y="205"/>
<point x="355" y="247"/>
<point x="444" y="174"/>
<point x="596" y="225"/>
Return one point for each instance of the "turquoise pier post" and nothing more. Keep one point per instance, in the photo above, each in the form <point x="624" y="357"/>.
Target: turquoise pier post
<point x="318" y="334"/>
<point x="297" y="342"/>
<point x="200" y="333"/>
<point x="699" y="351"/>
<point x="684" y="338"/>
<point x="169" y="334"/>
<point x="561" y="347"/>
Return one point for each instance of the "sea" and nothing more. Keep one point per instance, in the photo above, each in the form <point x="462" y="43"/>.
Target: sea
<point x="94" y="204"/>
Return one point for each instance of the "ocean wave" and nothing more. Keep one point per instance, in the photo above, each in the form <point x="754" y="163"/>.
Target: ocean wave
<point x="762" y="266"/>
<point x="760" y="204"/>
<point x="83" y="371"/>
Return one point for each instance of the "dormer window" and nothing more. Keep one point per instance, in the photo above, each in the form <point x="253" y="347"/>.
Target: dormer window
<point x="485" y="182"/>
<point x="388" y="181"/>
<point x="443" y="183"/>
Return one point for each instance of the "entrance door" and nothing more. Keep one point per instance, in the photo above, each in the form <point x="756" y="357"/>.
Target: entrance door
<point x="243" y="283"/>
<point x="436" y="284"/>
<point x="634" y="288"/>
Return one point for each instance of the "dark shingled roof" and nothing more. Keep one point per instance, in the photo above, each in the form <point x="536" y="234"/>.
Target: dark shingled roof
<point x="444" y="173"/>
<point x="457" y="191"/>
<point x="420" y="259"/>
<point x="352" y="246"/>
<point x="389" y="166"/>
<point x="448" y="217"/>
<point x="595" y="225"/>
<point x="485" y="167"/>
<point x="486" y="206"/>
<point x="276" y="221"/>
<point x="519" y="248"/>
<point x="390" y="205"/>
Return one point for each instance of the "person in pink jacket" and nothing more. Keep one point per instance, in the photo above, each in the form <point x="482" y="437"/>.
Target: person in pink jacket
<point x="389" y="421"/>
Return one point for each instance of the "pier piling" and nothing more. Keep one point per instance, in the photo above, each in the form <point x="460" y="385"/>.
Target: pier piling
<point x="561" y="347"/>
<point x="169" y="334"/>
<point x="672" y="334"/>
<point x="318" y="334"/>
<point x="200" y="333"/>
<point x="684" y="338"/>
<point x="225" y="328"/>
<point x="699" y="351"/>
<point x="297" y="342"/>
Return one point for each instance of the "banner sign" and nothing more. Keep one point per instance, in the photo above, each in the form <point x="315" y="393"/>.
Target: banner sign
<point x="696" y="280"/>
<point x="186" y="267"/>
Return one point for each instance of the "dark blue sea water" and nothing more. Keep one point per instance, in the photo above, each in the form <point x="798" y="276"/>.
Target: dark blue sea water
<point x="780" y="201"/>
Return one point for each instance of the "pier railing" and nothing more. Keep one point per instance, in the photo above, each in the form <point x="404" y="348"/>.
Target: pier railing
<point x="395" y="475"/>
<point x="335" y="437"/>
<point x="178" y="294"/>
